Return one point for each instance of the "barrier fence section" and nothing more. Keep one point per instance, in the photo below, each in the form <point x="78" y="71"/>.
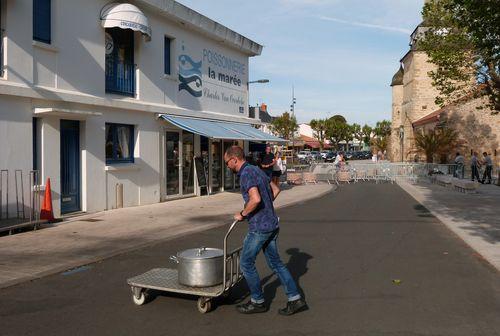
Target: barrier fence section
<point x="20" y="199"/>
<point x="367" y="171"/>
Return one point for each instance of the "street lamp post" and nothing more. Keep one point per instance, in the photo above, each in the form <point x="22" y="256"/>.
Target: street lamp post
<point x="401" y="138"/>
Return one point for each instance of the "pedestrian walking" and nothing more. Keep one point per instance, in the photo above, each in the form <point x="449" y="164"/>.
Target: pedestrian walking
<point x="277" y="169"/>
<point x="267" y="162"/>
<point x="474" y="166"/>
<point x="488" y="167"/>
<point x="258" y="194"/>
<point x="459" y="168"/>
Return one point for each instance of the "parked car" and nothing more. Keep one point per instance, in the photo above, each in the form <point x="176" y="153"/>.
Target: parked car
<point x="302" y="155"/>
<point x="330" y="157"/>
<point x="315" y="155"/>
<point x="324" y="154"/>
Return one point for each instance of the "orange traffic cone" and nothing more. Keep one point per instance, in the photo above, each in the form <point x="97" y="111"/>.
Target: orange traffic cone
<point x="46" y="211"/>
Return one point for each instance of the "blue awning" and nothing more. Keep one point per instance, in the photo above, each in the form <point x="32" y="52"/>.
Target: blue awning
<point x="215" y="129"/>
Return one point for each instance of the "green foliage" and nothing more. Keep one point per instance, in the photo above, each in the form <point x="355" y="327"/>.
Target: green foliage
<point x="319" y="126"/>
<point x="463" y="42"/>
<point x="285" y="126"/>
<point x="367" y="134"/>
<point x="339" y="118"/>
<point x="382" y="128"/>
<point x="337" y="131"/>
<point x="436" y="141"/>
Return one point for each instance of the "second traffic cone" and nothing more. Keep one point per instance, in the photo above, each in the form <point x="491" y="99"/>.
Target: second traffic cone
<point x="46" y="211"/>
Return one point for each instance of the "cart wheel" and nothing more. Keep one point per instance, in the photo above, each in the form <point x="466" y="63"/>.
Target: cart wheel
<point x="141" y="299"/>
<point x="204" y="305"/>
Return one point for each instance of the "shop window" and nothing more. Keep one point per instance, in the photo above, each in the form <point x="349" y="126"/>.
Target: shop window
<point x="168" y="56"/>
<point x="41" y="21"/>
<point x="119" y="143"/>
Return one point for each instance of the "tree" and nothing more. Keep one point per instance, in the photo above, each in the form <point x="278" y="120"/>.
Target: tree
<point x="382" y="128"/>
<point x="336" y="131"/>
<point x="319" y="127"/>
<point x="436" y="141"/>
<point x="339" y="118"/>
<point x="357" y="132"/>
<point x="285" y="126"/>
<point x="367" y="134"/>
<point x="463" y="43"/>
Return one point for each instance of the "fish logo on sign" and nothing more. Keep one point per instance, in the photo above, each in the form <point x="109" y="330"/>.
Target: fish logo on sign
<point x="190" y="75"/>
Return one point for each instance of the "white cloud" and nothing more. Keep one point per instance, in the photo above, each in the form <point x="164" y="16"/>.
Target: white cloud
<point x="367" y="25"/>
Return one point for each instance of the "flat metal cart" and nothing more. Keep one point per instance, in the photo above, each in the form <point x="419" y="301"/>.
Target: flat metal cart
<point x="166" y="280"/>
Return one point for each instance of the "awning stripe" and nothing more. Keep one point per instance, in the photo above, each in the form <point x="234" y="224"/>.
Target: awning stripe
<point x="220" y="129"/>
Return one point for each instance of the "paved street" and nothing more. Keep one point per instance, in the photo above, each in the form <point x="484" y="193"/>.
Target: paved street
<point x="369" y="259"/>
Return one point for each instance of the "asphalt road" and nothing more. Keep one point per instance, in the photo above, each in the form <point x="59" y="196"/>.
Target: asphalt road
<point x="368" y="258"/>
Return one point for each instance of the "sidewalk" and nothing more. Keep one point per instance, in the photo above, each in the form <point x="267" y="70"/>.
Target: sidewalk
<point x="475" y="218"/>
<point x="91" y="238"/>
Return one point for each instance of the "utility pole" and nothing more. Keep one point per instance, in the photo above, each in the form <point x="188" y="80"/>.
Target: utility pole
<point x="292" y="110"/>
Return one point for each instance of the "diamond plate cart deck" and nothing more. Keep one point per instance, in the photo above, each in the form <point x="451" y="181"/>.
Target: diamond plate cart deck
<point x="166" y="279"/>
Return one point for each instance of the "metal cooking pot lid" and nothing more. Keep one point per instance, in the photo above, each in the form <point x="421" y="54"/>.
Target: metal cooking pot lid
<point x="201" y="253"/>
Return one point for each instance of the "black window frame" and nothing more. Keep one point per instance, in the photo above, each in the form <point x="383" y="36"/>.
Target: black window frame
<point x="42" y="21"/>
<point x="167" y="55"/>
<point x="131" y="144"/>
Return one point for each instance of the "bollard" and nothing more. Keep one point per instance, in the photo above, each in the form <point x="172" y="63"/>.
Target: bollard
<point x="119" y="195"/>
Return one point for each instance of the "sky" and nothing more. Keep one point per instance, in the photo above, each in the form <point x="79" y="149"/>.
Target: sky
<point x="338" y="55"/>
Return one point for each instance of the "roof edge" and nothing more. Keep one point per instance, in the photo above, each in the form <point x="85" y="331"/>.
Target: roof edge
<point x="201" y="23"/>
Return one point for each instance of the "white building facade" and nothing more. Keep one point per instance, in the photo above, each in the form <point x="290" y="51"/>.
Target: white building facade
<point x="96" y="94"/>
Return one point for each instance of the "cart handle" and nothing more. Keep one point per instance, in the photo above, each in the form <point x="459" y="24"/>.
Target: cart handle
<point x="224" y="279"/>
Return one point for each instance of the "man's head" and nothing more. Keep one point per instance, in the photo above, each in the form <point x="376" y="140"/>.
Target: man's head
<point x="475" y="153"/>
<point x="485" y="154"/>
<point x="234" y="158"/>
<point x="268" y="149"/>
<point x="458" y="154"/>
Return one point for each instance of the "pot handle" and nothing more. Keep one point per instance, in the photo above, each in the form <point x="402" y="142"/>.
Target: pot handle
<point x="174" y="259"/>
<point x="201" y="250"/>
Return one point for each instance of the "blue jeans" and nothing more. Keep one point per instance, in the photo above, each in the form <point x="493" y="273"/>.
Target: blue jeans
<point x="266" y="241"/>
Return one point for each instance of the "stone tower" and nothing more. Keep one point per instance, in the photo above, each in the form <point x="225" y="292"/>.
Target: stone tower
<point x="397" y="104"/>
<point x="413" y="97"/>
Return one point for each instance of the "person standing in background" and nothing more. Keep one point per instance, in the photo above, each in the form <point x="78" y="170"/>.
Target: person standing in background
<point x="460" y="162"/>
<point x="277" y="169"/>
<point x="474" y="166"/>
<point x="489" y="167"/>
<point x="267" y="163"/>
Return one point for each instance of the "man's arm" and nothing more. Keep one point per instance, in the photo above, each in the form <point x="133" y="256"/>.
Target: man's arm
<point x="253" y="201"/>
<point x="275" y="189"/>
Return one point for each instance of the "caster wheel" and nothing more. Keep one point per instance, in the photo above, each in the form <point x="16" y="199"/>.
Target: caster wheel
<point x="204" y="305"/>
<point x="141" y="299"/>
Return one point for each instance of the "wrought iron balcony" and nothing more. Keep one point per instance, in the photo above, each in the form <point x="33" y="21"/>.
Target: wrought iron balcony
<point x="120" y="77"/>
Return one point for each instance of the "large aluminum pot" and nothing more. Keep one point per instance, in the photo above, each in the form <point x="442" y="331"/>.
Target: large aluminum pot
<point x="200" y="267"/>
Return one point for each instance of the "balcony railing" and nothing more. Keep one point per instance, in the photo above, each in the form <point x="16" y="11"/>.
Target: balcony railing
<point x="1" y="53"/>
<point x="120" y="77"/>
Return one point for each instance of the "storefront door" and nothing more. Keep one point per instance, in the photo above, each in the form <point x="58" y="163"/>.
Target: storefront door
<point x="173" y="165"/>
<point x="179" y="164"/>
<point x="216" y="163"/>
<point x="187" y="163"/>
<point x="228" y="174"/>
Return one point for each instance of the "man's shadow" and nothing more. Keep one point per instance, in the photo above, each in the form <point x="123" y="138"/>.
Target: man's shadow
<point x="297" y="265"/>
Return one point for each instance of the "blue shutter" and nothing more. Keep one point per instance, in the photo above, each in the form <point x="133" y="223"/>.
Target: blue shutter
<point x="41" y="20"/>
<point x="167" y="56"/>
